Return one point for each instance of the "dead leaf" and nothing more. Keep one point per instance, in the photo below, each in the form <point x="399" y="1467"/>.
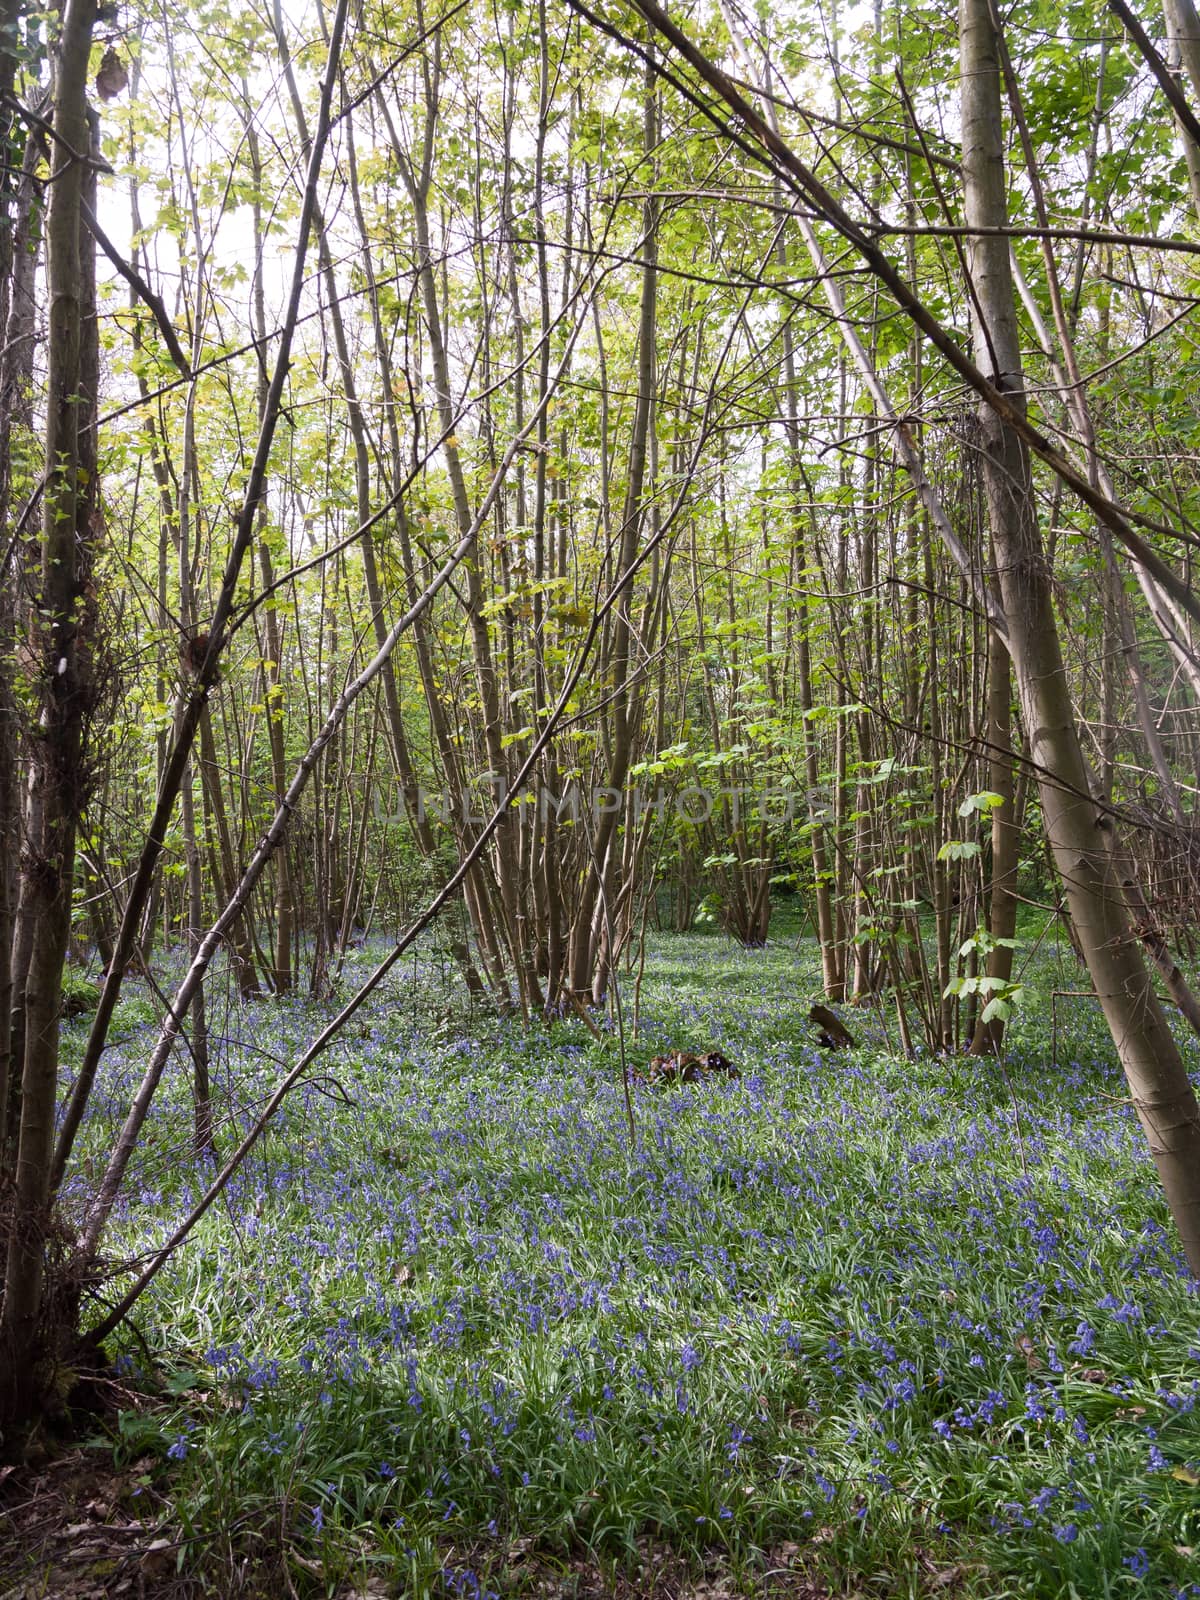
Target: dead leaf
<point x="158" y="1558"/>
<point x="1026" y="1346"/>
<point x="112" y="78"/>
<point x="1186" y="1475"/>
<point x="947" y="1576"/>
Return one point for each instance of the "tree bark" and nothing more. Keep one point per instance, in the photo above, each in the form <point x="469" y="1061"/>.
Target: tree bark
<point x="591" y="958"/>
<point x="1077" y="830"/>
<point x="1183" y="32"/>
<point x="65" y="618"/>
<point x="19" y="256"/>
<point x="1006" y="840"/>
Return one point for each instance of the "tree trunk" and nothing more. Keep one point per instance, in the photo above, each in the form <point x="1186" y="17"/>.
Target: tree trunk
<point x="591" y="959"/>
<point x="1077" y="830"/>
<point x="65" y="618"/>
<point x="224" y="865"/>
<point x="1006" y="840"/>
<point x="1183" y="32"/>
<point x="193" y="699"/>
<point x="19" y="256"/>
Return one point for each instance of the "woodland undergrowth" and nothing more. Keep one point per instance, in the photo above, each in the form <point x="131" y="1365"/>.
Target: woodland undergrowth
<point x="919" y="1325"/>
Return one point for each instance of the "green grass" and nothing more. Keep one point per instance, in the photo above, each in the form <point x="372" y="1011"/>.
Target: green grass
<point x="840" y="1304"/>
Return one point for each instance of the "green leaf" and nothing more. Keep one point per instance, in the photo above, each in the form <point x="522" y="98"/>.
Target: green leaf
<point x="958" y="850"/>
<point x="985" y="800"/>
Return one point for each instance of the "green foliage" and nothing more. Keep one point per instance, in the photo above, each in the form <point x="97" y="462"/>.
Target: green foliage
<point x="835" y="1308"/>
<point x="1003" y="996"/>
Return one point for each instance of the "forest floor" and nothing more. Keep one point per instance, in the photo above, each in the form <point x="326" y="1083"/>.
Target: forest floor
<point x="849" y="1325"/>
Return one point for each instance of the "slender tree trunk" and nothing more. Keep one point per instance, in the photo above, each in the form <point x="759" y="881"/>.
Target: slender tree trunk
<point x="1183" y="32"/>
<point x="274" y="694"/>
<point x="1006" y="840"/>
<point x="285" y="905"/>
<point x="1119" y="625"/>
<point x="591" y="961"/>
<point x="1077" y="831"/>
<point x="402" y="758"/>
<point x="221" y="854"/>
<point x="176" y="764"/>
<point x="19" y="239"/>
<point x="198" y="1041"/>
<point x="64" y="623"/>
<point x="833" y="980"/>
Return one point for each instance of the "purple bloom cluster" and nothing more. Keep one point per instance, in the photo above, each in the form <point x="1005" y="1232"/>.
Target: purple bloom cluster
<point x="794" y="1297"/>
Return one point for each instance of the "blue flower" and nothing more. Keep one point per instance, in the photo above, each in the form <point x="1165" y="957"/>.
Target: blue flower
<point x="1083" y="1341"/>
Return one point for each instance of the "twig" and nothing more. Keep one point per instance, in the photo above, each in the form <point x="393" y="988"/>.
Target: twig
<point x="135" y="280"/>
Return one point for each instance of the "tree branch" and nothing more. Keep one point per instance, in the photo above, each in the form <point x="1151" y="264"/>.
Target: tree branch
<point x="1166" y="78"/>
<point x="140" y="287"/>
<point x="753" y="135"/>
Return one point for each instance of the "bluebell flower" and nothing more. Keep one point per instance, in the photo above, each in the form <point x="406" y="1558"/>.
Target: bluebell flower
<point x="737" y="1438"/>
<point x="1083" y="1341"/>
